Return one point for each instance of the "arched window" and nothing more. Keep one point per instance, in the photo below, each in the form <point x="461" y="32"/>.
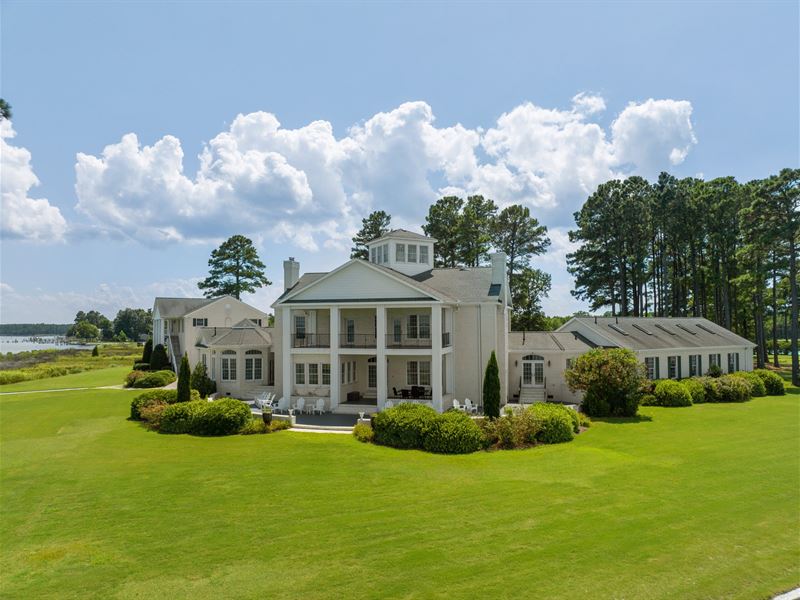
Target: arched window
<point x="253" y="365"/>
<point x="532" y="357"/>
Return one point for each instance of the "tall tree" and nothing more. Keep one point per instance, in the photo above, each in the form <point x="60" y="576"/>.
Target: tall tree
<point x="443" y="222"/>
<point x="5" y="110"/>
<point x="520" y="236"/>
<point x="526" y="312"/>
<point x="373" y="227"/>
<point x="134" y="322"/>
<point x="235" y="269"/>
<point x="474" y="230"/>
<point x="184" y="377"/>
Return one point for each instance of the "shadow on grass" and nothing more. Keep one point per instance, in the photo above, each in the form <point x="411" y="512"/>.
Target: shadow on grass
<point x="623" y="420"/>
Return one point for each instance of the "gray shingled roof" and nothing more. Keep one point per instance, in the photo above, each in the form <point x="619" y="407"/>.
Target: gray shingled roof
<point x="244" y="333"/>
<point x="305" y="280"/>
<point x="553" y="341"/>
<point x="174" y="308"/>
<point x="463" y="285"/>
<point x="652" y="333"/>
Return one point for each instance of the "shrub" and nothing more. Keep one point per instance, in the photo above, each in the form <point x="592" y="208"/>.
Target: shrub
<point x="147" y="352"/>
<point x="223" y="417"/>
<point x="141" y="366"/>
<point x="672" y="393"/>
<point x="363" y="432"/>
<point x="453" y="432"/>
<point x="648" y="400"/>
<point x="151" y="413"/>
<point x="404" y="426"/>
<point x="184" y="373"/>
<point x="158" y="358"/>
<point x="584" y="420"/>
<point x="611" y="380"/>
<point x="757" y="387"/>
<point x="733" y="389"/>
<point x="710" y="388"/>
<point x="95" y="351"/>
<point x="139" y="379"/>
<point x="491" y="388"/>
<point x="279" y="425"/>
<point x="180" y="417"/>
<point x="256" y="426"/>
<point x="554" y="423"/>
<point x="155" y="396"/>
<point x="714" y="371"/>
<point x="201" y="382"/>
<point x="696" y="390"/>
<point x="773" y="383"/>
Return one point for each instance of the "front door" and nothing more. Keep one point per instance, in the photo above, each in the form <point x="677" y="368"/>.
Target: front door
<point x="533" y="373"/>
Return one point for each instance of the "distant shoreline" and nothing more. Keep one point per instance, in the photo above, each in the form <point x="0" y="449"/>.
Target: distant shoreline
<point x="28" y="329"/>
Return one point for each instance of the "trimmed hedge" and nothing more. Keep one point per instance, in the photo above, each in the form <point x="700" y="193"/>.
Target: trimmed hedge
<point x="155" y="396"/>
<point x="141" y="366"/>
<point x="363" y="432"/>
<point x="180" y="417"/>
<point x="554" y="423"/>
<point x="140" y="379"/>
<point x="733" y="389"/>
<point x="453" y="432"/>
<point x="757" y="387"/>
<point x="773" y="383"/>
<point x="404" y="426"/>
<point x="696" y="390"/>
<point x="672" y="393"/>
<point x="222" y="417"/>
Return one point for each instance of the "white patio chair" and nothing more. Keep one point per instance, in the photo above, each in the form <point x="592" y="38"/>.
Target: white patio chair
<point x="388" y="404"/>
<point x="319" y="407"/>
<point x="283" y="405"/>
<point x="469" y="406"/>
<point x="300" y="405"/>
<point x="457" y="405"/>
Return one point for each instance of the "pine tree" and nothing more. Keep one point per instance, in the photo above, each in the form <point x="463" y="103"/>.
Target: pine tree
<point x="201" y="382"/>
<point x="159" y="359"/>
<point x="491" y="388"/>
<point x="373" y="227"/>
<point x="235" y="269"/>
<point x="148" y="350"/>
<point x="95" y="351"/>
<point x="184" y="375"/>
<point x="443" y="222"/>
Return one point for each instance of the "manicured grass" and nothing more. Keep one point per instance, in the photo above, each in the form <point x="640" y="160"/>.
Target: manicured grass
<point x="698" y="502"/>
<point x="110" y="376"/>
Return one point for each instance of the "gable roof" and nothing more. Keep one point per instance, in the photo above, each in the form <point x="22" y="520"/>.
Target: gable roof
<point x="468" y="284"/>
<point x="244" y="333"/>
<point x="173" y="308"/>
<point x="548" y="341"/>
<point x="403" y="234"/>
<point x="654" y="333"/>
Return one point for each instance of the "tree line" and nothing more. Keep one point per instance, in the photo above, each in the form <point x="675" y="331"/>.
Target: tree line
<point x="129" y="324"/>
<point x="466" y="232"/>
<point x="718" y="249"/>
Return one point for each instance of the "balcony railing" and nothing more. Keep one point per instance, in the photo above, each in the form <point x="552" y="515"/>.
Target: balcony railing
<point x="357" y="340"/>
<point x="311" y="340"/>
<point x="401" y="341"/>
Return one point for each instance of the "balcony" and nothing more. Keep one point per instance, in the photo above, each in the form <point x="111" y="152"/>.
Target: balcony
<point x="311" y="340"/>
<point x="393" y="340"/>
<point x="358" y="340"/>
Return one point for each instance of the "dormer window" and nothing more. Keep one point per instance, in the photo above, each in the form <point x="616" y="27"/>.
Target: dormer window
<point x="412" y="253"/>
<point x="373" y="253"/>
<point x="423" y="255"/>
<point x="385" y="253"/>
<point x="400" y="253"/>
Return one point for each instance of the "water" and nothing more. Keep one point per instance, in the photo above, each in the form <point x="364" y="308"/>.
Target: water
<point x="21" y="343"/>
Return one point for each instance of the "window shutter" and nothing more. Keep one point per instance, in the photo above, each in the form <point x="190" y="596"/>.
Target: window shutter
<point x="658" y="369"/>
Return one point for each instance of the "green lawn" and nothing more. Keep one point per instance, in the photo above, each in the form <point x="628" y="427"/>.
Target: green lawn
<point x="701" y="502"/>
<point x="110" y="376"/>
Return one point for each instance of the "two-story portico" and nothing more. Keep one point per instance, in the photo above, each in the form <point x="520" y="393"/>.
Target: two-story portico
<point x="368" y="332"/>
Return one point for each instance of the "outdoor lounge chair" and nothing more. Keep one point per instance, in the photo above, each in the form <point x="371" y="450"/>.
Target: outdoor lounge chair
<point x="470" y="407"/>
<point x="283" y="405"/>
<point x="457" y="405"/>
<point x="300" y="405"/>
<point x="318" y="407"/>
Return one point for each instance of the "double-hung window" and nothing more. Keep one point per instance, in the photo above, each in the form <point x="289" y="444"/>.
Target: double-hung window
<point x="373" y="254"/>
<point x="674" y="367"/>
<point x="199" y="322"/>
<point x="714" y="360"/>
<point x="651" y="362"/>
<point x="412" y="372"/>
<point x="423" y="255"/>
<point x="425" y="327"/>
<point x="411" y="328"/>
<point x="733" y="362"/>
<point x="300" y="327"/>
<point x="326" y="374"/>
<point x="229" y="365"/>
<point x="313" y="374"/>
<point x="252" y="365"/>
<point x="418" y="372"/>
<point x="400" y="253"/>
<point x="695" y="365"/>
<point x="385" y="253"/>
<point x="300" y="374"/>
<point x="412" y="253"/>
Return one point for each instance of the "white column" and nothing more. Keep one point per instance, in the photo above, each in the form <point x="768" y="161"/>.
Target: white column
<point x="380" y="355"/>
<point x="335" y="375"/>
<point x="436" y="357"/>
<point x="286" y="351"/>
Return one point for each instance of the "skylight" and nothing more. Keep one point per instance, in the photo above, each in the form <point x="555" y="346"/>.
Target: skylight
<point x="686" y="329"/>
<point x="618" y="329"/>
<point x="704" y="328"/>
<point x="664" y="329"/>
<point x="640" y="328"/>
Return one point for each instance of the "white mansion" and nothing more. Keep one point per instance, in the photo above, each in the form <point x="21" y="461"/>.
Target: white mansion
<point x="394" y="327"/>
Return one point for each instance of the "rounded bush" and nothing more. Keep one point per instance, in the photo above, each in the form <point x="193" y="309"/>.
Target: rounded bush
<point x="672" y="393"/>
<point x="733" y="389"/>
<point x="648" y="400"/>
<point x="554" y="423"/>
<point x="138" y="379"/>
<point x="696" y="390"/>
<point x="757" y="387"/>
<point x="363" y="432"/>
<point x="453" y="432"/>
<point x="773" y="383"/>
<point x="179" y="417"/>
<point x="222" y="417"/>
<point x="404" y="426"/>
<point x="152" y="396"/>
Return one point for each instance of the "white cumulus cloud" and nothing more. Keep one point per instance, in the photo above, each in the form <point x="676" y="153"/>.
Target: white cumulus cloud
<point x="310" y="188"/>
<point x="23" y="217"/>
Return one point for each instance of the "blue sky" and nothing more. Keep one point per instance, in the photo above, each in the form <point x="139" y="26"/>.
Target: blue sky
<point x="311" y="115"/>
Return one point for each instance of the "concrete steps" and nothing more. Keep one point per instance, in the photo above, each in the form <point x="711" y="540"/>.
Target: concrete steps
<point x="531" y="395"/>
